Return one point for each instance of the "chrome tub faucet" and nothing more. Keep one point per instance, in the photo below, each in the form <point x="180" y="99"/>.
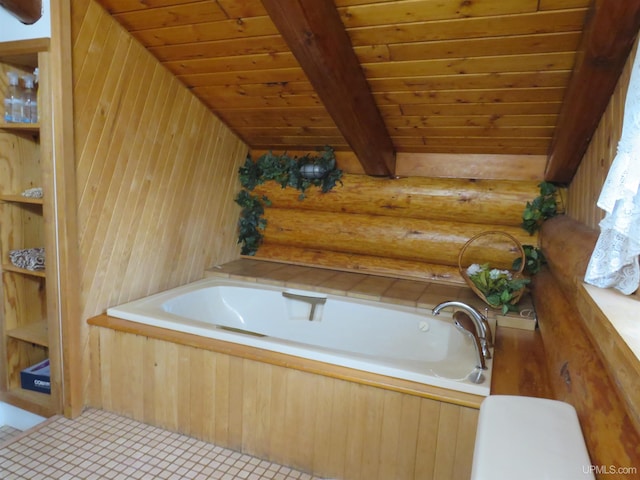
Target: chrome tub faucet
<point x="482" y="324"/>
<point x="464" y="323"/>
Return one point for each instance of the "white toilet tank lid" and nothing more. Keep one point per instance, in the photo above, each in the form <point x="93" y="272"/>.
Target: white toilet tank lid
<point x="528" y="438"/>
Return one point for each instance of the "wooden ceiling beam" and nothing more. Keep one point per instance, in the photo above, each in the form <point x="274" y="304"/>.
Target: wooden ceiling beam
<point x="27" y="11"/>
<point x="608" y="37"/>
<point x="316" y="36"/>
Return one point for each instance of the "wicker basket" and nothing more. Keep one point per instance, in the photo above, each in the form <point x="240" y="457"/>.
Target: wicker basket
<point x="463" y="265"/>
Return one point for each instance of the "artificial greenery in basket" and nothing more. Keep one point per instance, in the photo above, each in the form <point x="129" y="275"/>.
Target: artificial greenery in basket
<point x="500" y="288"/>
<point x="289" y="171"/>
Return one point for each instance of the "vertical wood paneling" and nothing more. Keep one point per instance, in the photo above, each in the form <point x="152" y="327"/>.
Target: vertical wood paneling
<point x="389" y="439"/>
<point x="584" y="190"/>
<point x="156" y="175"/>
<point x="324" y="425"/>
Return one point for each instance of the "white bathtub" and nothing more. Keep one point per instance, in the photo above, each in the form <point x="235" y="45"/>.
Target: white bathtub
<point x="402" y="342"/>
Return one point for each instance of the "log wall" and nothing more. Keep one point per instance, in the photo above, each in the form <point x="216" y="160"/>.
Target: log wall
<point x="407" y="227"/>
<point x="156" y="172"/>
<point x="579" y="372"/>
<point x="589" y="364"/>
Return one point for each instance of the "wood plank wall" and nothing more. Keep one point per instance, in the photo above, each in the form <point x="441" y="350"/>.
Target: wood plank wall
<point x="327" y="426"/>
<point x="156" y="172"/>
<point x="584" y="190"/>
<point x="410" y="227"/>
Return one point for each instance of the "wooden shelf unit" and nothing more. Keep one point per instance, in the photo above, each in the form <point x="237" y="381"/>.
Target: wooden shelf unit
<point x="26" y="332"/>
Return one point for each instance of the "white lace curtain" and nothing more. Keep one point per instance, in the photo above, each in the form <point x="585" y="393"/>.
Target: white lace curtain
<point x="614" y="262"/>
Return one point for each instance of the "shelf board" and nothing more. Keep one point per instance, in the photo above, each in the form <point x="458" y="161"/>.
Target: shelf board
<point x="35" y="402"/>
<point x="23" y="52"/>
<point x="7" y="267"/>
<point x="34" y="333"/>
<point x="20" y="127"/>
<point x="21" y="199"/>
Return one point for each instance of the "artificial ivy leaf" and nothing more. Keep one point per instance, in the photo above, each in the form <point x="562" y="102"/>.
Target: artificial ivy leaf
<point x="493" y="299"/>
<point x="505" y="296"/>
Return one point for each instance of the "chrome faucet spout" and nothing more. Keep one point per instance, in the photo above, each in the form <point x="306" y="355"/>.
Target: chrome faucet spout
<point x="481" y="323"/>
<point x="464" y="323"/>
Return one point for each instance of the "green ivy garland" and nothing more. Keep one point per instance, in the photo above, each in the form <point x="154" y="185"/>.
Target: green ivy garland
<point x="541" y="208"/>
<point x="535" y="213"/>
<point x="285" y="170"/>
<point x="534" y="260"/>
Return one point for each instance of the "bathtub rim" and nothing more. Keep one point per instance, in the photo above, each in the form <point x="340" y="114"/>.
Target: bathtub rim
<point x="153" y="310"/>
<point x="289" y="361"/>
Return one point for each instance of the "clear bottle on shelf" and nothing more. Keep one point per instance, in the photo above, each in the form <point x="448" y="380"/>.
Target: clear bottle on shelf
<point x="13" y="99"/>
<point x="7" y="110"/>
<point x="30" y="101"/>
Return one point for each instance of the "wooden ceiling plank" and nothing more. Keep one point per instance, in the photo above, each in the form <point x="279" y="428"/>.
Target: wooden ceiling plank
<point x="229" y="64"/>
<point x="208" y="31"/>
<point x="119" y="6"/>
<point x="472" y="121"/>
<point x="531" y="108"/>
<point x="316" y="36"/>
<point x="257" y="89"/>
<point x="475" y="131"/>
<point x="562" y="4"/>
<point x="484" y="47"/>
<point x="495" y="143"/>
<point x="514" y="95"/>
<point x="187" y="14"/>
<point x="297" y="130"/>
<point x="242" y="8"/>
<point x="462" y="66"/>
<point x="274" y="142"/>
<point x="221" y="48"/>
<point x="555" y="78"/>
<point x="27" y="11"/>
<point x="607" y="41"/>
<point x="243" y="77"/>
<point x="426" y="10"/>
<point x="530" y="23"/>
<point x="460" y="148"/>
<point x="276" y="101"/>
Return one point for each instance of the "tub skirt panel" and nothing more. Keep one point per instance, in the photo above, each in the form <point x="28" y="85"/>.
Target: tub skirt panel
<point x="326" y="426"/>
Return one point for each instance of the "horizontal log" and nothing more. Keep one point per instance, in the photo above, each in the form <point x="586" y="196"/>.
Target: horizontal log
<point x="621" y="361"/>
<point x="352" y="262"/>
<point x="448" y="199"/>
<point x="427" y="241"/>
<point x="579" y="377"/>
<point x="567" y="245"/>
